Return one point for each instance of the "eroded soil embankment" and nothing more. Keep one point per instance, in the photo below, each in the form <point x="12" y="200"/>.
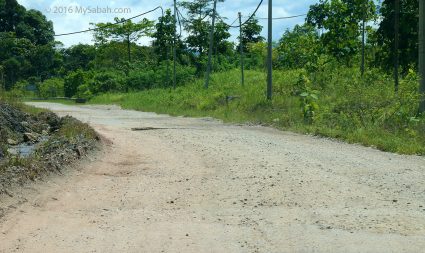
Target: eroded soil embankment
<point x="32" y="145"/>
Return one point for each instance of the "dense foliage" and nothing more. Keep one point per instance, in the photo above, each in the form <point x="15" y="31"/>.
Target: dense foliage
<point x="318" y="82"/>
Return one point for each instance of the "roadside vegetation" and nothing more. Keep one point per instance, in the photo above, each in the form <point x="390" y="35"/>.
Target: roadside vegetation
<point x="319" y="86"/>
<point x="341" y="105"/>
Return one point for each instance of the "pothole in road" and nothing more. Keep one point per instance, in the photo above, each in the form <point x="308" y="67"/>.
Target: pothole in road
<point x="153" y="128"/>
<point x="148" y="128"/>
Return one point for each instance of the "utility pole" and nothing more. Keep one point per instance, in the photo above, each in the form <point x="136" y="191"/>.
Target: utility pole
<point x="129" y="48"/>
<point x="167" y="82"/>
<point x="207" y="76"/>
<point x="362" y="68"/>
<point x="270" y="53"/>
<point x="175" y="45"/>
<point x="396" y="42"/>
<point x="241" y="49"/>
<point x="422" y="55"/>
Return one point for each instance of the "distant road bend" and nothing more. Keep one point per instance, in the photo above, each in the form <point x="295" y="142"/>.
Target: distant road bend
<point x="175" y="184"/>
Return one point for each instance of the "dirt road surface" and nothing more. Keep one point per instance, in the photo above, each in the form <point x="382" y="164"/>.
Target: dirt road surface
<point x="197" y="185"/>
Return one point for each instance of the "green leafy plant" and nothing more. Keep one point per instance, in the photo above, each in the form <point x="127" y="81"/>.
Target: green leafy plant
<point x="309" y="105"/>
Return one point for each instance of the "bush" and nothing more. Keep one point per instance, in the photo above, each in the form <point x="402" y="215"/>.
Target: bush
<point x="72" y="81"/>
<point x="155" y="77"/>
<point x="53" y="87"/>
<point x="107" y="81"/>
<point x="299" y="47"/>
<point x="140" y="80"/>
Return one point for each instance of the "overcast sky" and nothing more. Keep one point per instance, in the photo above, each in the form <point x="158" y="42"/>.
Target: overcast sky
<point x="58" y="11"/>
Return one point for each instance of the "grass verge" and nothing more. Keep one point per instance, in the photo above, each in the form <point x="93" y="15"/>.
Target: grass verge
<point x="333" y="102"/>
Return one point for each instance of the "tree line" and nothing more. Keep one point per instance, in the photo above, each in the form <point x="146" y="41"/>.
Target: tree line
<point x="31" y="58"/>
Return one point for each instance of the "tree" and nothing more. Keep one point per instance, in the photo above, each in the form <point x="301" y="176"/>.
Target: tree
<point x="221" y="35"/>
<point x="26" y="43"/>
<point x="42" y="60"/>
<point x="341" y="20"/>
<point x="11" y="14"/>
<point x="36" y="28"/>
<point x="11" y="69"/>
<point x="72" y="81"/>
<point x="78" y="57"/>
<point x="164" y="35"/>
<point x="198" y="28"/>
<point x="126" y="31"/>
<point x="251" y="33"/>
<point x="299" y="47"/>
<point x="14" y="56"/>
<point x="408" y="45"/>
<point x="197" y="25"/>
<point x="30" y="24"/>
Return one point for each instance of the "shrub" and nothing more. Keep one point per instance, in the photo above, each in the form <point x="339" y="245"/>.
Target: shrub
<point x="72" y="81"/>
<point x="53" y="87"/>
<point x="150" y="77"/>
<point x="107" y="81"/>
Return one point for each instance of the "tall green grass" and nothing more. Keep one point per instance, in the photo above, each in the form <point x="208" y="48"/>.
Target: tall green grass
<point x="16" y="101"/>
<point x="352" y="108"/>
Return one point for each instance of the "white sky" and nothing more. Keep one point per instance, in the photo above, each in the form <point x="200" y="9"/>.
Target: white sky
<point x="70" y="22"/>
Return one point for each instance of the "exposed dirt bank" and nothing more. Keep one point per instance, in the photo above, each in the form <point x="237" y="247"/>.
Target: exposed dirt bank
<point x="33" y="146"/>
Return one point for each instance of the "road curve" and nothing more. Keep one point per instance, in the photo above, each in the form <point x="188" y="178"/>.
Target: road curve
<point x="198" y="185"/>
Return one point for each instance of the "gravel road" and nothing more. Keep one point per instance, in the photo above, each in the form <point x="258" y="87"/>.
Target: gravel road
<point x="198" y="185"/>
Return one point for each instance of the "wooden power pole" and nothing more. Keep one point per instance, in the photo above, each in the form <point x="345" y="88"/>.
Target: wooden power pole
<point x="175" y="45"/>
<point x="362" y="68"/>
<point x="270" y="53"/>
<point x="241" y="49"/>
<point x="207" y="77"/>
<point x="422" y="55"/>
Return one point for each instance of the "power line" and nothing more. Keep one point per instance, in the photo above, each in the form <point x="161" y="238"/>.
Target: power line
<point x="187" y="21"/>
<point x="182" y="17"/>
<point x="252" y="15"/>
<point x="235" y="21"/>
<point x="288" y="17"/>
<point x="278" y="18"/>
<point x="108" y="25"/>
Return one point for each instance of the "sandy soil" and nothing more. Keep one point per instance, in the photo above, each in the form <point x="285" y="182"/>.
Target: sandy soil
<point x="197" y="185"/>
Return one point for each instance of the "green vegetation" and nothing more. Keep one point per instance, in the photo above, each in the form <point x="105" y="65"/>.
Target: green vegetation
<point x="73" y="131"/>
<point x="11" y="99"/>
<point x="341" y="105"/>
<point x="318" y="85"/>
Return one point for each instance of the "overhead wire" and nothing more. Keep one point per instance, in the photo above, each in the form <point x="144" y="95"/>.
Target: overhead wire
<point x="288" y="17"/>
<point x="234" y="21"/>
<point x="180" y="19"/>
<point x="187" y="21"/>
<point x="249" y="19"/>
<point x="109" y="25"/>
